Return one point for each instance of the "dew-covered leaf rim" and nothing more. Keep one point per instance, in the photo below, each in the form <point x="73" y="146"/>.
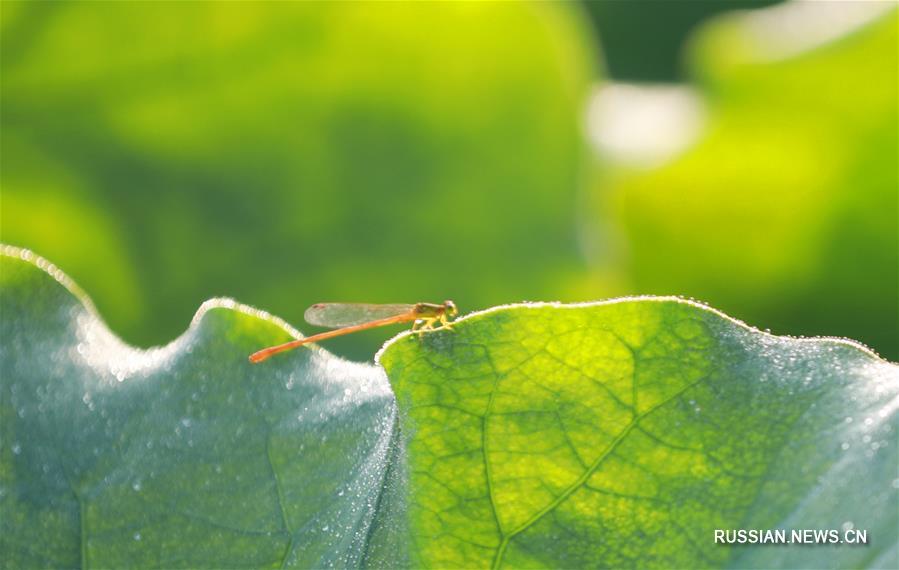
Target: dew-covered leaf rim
<point x="231" y="304"/>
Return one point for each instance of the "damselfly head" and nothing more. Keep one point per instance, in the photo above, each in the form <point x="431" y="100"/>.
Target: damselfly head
<point x="451" y="310"/>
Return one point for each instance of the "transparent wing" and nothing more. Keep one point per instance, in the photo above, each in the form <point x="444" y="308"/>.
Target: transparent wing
<point x="336" y="315"/>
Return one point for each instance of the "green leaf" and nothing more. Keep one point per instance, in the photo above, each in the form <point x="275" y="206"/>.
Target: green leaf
<point x="622" y="434"/>
<point x="185" y="455"/>
<point x="608" y="434"/>
<point x="782" y="212"/>
<point x="282" y="152"/>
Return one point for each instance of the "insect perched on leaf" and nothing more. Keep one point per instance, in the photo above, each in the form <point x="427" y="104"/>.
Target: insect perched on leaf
<point x="348" y="318"/>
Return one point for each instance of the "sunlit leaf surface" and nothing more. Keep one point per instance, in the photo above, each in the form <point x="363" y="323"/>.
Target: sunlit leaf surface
<point x="617" y="434"/>
<point x="623" y="434"/>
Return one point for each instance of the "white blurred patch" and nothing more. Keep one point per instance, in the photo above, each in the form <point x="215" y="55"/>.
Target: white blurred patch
<point x="789" y="29"/>
<point x="643" y="125"/>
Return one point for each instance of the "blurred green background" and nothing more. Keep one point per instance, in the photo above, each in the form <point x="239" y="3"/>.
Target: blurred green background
<point x="289" y="153"/>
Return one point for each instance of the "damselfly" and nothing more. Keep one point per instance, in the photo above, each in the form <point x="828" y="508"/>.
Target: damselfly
<point x="348" y="318"/>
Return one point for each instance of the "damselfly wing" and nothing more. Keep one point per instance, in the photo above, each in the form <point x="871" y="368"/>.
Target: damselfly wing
<point x="338" y="315"/>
